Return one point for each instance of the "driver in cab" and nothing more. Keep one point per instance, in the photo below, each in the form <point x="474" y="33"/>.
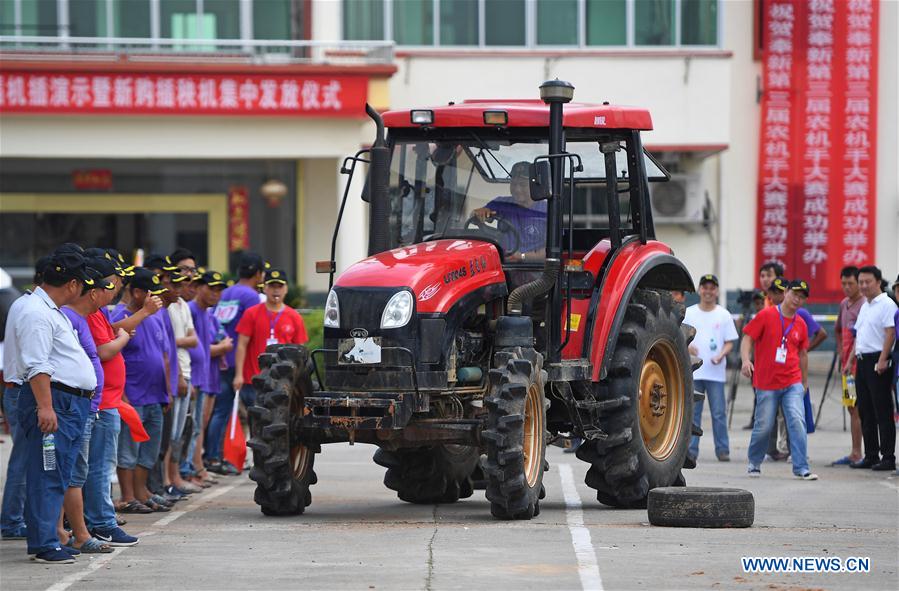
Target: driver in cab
<point x="524" y="233"/>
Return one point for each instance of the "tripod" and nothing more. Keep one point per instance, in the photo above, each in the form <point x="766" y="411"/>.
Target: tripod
<point x="834" y="363"/>
<point x="744" y="298"/>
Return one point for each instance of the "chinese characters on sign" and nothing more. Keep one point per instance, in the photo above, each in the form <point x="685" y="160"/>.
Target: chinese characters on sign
<point x="238" y="219"/>
<point x="816" y="165"/>
<point x="193" y="94"/>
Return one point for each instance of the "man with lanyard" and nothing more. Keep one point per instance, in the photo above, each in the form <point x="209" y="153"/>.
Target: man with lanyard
<point x="779" y="377"/>
<point x="58" y="382"/>
<point x="875" y="332"/>
<point x="269" y="323"/>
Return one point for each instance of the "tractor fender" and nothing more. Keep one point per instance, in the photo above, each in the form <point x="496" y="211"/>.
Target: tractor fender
<point x="650" y="265"/>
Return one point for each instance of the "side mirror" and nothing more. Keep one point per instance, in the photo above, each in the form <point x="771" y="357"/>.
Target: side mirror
<point x="540" y="180"/>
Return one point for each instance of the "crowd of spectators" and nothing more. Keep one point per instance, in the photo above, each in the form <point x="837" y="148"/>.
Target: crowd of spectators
<point x="120" y="373"/>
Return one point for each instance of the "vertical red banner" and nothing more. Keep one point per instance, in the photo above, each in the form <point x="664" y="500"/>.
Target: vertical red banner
<point x="816" y="198"/>
<point x="238" y="219"/>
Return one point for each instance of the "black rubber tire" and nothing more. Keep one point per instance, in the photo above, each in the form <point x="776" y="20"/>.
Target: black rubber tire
<point x="622" y="471"/>
<point x="700" y="507"/>
<point x="430" y="475"/>
<point x="510" y="494"/>
<point x="281" y="489"/>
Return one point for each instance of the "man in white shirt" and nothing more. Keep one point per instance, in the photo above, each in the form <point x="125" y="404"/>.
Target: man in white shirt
<point x="715" y="336"/>
<point x="875" y="333"/>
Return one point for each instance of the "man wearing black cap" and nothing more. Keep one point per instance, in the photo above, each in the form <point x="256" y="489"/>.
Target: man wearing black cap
<point x="58" y="382"/>
<point x="235" y="301"/>
<point x="715" y="336"/>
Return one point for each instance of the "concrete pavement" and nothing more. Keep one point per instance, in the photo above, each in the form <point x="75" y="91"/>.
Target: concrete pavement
<point x="358" y="535"/>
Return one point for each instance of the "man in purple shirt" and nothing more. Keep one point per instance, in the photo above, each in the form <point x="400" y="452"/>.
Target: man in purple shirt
<point x="147" y="390"/>
<point x="101" y="276"/>
<point x="230" y="309"/>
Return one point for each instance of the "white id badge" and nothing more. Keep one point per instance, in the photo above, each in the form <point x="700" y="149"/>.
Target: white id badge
<point x="780" y="356"/>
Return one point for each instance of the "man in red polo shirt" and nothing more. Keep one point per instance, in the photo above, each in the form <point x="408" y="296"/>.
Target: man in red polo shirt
<point x="269" y="323"/>
<point x="778" y="375"/>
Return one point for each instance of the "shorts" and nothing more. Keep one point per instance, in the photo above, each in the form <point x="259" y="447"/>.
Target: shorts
<point x="146" y="453"/>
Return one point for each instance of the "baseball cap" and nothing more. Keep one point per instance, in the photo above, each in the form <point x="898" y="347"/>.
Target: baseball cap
<point x="96" y="279"/>
<point x="69" y="247"/>
<point x="211" y="278"/>
<point x="127" y="267"/>
<point x="65" y="266"/>
<point x="800" y="286"/>
<point x="251" y="262"/>
<point x="275" y="276"/>
<point x="158" y="261"/>
<point x="147" y="280"/>
<point x="779" y="285"/>
<point x="758" y="295"/>
<point x="177" y="277"/>
<point x="709" y="278"/>
<point x="104" y="266"/>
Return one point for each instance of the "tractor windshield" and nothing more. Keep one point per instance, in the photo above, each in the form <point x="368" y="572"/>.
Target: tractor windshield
<point x="474" y="185"/>
<point x="467" y="189"/>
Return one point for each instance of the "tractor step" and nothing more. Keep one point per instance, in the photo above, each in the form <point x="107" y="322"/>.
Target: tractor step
<point x="569" y="370"/>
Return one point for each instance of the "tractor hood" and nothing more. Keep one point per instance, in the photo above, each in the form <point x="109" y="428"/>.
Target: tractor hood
<point x="439" y="272"/>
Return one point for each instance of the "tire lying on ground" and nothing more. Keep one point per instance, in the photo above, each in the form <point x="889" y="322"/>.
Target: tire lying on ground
<point x="694" y="506"/>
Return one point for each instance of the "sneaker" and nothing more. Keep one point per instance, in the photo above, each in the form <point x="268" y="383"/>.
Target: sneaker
<point x="161" y="501"/>
<point x="55" y="556"/>
<point x="229" y="469"/>
<point x="807" y="476"/>
<point x="723" y="457"/>
<point x="16" y="534"/>
<point x="754" y="473"/>
<point x="115" y="537"/>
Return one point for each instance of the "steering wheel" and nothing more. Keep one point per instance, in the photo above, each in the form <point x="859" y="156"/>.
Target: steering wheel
<point x="500" y="234"/>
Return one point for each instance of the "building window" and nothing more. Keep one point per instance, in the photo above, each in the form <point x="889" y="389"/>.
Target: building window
<point x="363" y="20"/>
<point x="458" y="22"/>
<point x="272" y="19"/>
<point x="534" y="23"/>
<point x="606" y="22"/>
<point x="40" y="18"/>
<point x="131" y="18"/>
<point x="557" y="22"/>
<point x="413" y="22"/>
<point x="504" y="22"/>
<point x="654" y="22"/>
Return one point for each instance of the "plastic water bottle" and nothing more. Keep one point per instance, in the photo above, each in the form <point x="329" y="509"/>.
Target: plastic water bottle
<point x="49" y="446"/>
<point x="849" y="395"/>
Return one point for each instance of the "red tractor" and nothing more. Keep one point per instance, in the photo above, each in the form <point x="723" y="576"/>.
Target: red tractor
<point x="514" y="294"/>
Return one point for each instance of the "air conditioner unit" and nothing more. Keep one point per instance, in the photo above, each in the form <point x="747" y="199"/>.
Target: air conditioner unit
<point x="678" y="201"/>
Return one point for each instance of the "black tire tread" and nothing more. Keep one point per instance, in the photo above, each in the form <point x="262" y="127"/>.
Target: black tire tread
<point x="701" y="507"/>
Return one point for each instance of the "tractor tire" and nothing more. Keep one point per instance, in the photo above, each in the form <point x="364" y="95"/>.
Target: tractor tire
<point x="430" y="475"/>
<point x="701" y="507"/>
<point x="516" y="433"/>
<point x="282" y="464"/>
<point x="649" y="425"/>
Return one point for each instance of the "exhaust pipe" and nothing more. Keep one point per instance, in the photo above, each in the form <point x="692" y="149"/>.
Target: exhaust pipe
<point x="378" y="179"/>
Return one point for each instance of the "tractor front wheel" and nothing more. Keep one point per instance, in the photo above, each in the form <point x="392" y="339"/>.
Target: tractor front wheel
<point x="430" y="475"/>
<point x="282" y="462"/>
<point x="515" y="433"/>
<point x="649" y="426"/>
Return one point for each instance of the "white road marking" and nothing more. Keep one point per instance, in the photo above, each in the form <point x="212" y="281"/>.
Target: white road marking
<point x="105" y="559"/>
<point x="888" y="484"/>
<point x="587" y="565"/>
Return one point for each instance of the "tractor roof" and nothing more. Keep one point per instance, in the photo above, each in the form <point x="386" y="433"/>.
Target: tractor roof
<point x="526" y="113"/>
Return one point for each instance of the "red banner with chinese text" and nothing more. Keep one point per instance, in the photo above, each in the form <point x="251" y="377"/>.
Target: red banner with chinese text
<point x="182" y="94"/>
<point x="238" y="219"/>
<point x="816" y="193"/>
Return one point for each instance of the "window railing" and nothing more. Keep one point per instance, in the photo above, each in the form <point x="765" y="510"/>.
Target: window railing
<point x="162" y="49"/>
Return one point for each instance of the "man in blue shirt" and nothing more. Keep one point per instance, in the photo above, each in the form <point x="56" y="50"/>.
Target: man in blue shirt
<point x="527" y="217"/>
<point x="234" y="302"/>
<point x="58" y="382"/>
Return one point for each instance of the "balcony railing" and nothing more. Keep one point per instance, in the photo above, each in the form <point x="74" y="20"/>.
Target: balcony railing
<point x="255" y="51"/>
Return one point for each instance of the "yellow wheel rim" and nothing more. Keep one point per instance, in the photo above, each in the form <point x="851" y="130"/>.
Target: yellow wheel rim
<point x="533" y="435"/>
<point x="661" y="400"/>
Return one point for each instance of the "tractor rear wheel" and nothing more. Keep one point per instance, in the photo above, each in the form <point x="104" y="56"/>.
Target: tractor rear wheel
<point x="516" y="433"/>
<point x="282" y="463"/>
<point x="430" y="475"/>
<point x="649" y="430"/>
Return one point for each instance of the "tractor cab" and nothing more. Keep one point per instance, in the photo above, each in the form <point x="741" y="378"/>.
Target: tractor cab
<point x="514" y="291"/>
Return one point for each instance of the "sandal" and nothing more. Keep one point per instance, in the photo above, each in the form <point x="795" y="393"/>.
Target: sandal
<point x="119" y="521"/>
<point x="136" y="506"/>
<point x="94" y="546"/>
<point x="156" y="507"/>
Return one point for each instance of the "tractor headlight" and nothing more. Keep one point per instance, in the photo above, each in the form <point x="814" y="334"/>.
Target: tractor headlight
<point x="398" y="310"/>
<point x="332" y="310"/>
